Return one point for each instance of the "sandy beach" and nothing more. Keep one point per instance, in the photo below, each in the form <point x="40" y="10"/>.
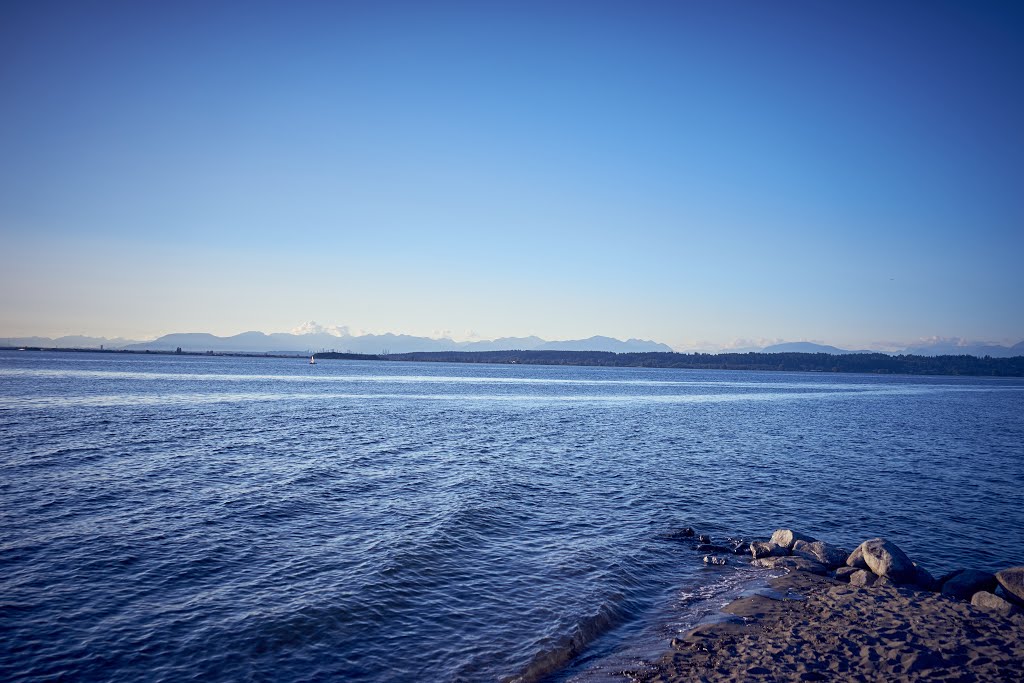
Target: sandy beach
<point x="815" y="628"/>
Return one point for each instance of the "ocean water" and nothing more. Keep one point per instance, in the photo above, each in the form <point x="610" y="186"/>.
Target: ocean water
<point x="221" y="519"/>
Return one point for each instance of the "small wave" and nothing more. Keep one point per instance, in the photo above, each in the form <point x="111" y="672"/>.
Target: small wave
<point x="117" y="400"/>
<point x="698" y="601"/>
<point x="557" y="655"/>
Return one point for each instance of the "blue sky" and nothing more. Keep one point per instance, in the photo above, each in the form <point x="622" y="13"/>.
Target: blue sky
<point x="694" y="173"/>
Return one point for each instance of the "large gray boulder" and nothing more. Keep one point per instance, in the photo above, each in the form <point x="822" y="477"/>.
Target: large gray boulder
<point x="993" y="603"/>
<point x="819" y="551"/>
<point x="787" y="537"/>
<point x="761" y="549"/>
<point x="966" y="583"/>
<point x="1012" y="581"/>
<point x="856" y="559"/>
<point x="947" y="576"/>
<point x="886" y="559"/>
<point x="801" y="564"/>
<point x="924" y="579"/>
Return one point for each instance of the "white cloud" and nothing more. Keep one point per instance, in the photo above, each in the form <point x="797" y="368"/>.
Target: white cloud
<point x="313" y="327"/>
<point x="936" y="341"/>
<point x="743" y="343"/>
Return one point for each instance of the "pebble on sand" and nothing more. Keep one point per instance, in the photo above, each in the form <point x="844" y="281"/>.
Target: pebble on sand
<point x="994" y="603"/>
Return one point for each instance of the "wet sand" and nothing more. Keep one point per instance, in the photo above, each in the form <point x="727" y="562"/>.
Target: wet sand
<point x="818" y="629"/>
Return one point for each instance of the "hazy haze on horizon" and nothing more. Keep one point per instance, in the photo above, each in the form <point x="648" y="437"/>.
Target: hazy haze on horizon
<point x="698" y="175"/>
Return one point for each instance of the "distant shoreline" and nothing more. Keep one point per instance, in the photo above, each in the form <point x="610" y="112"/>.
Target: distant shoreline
<point x="155" y="352"/>
<point x="858" y="363"/>
<point x="861" y="363"/>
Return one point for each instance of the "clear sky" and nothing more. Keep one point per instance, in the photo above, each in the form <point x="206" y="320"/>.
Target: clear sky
<point x="690" y="172"/>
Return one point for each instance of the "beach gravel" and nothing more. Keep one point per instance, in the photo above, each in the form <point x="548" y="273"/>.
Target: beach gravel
<point x="838" y="632"/>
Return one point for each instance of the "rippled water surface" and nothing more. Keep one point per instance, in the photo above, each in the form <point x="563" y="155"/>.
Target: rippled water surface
<point x="167" y="518"/>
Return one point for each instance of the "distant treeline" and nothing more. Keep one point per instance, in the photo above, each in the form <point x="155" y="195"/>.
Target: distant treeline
<point x="801" y="362"/>
<point x="336" y="355"/>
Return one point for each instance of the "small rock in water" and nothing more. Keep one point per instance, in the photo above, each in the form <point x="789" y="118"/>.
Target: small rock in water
<point x="967" y="582"/>
<point x="886" y="559"/>
<point x="741" y="548"/>
<point x="680" y="534"/>
<point x="1012" y="581"/>
<point x="712" y="548"/>
<point x="843" y="573"/>
<point x="801" y="564"/>
<point x="761" y="549"/>
<point x="863" y="578"/>
<point x="787" y="537"/>
<point x="993" y="603"/>
<point x="711" y="559"/>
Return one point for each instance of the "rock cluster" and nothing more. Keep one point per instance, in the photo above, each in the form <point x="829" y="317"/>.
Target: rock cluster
<point x="704" y="544"/>
<point x="876" y="562"/>
<point x="799" y="551"/>
<point x="867" y="615"/>
<point x="880" y="562"/>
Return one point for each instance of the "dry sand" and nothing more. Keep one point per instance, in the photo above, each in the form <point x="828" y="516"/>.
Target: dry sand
<point x="839" y="632"/>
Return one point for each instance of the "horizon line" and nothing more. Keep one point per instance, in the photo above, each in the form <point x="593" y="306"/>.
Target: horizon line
<point x="742" y="345"/>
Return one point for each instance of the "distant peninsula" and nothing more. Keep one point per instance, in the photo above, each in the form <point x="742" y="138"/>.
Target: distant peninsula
<point x="872" y="363"/>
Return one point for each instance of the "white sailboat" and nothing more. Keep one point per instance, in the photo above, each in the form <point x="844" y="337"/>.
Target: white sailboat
<point x="312" y="360"/>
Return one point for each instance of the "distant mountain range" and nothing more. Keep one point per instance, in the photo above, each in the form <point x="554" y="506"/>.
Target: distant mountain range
<point x="954" y="347"/>
<point x="284" y="342"/>
<point x="75" y="341"/>
<point x="806" y="347"/>
<point x="957" y="348"/>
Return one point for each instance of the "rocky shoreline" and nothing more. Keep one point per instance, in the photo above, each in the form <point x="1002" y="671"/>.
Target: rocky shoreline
<point x="868" y="614"/>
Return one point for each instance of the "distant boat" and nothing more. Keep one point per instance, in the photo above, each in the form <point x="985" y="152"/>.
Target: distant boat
<point x="312" y="360"/>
